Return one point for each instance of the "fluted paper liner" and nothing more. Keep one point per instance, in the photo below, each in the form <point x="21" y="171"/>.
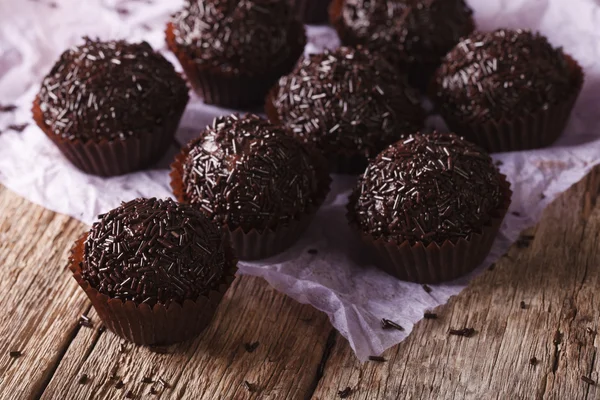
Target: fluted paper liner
<point x="255" y="244"/>
<point x="433" y="263"/>
<point x="531" y="131"/>
<point x="114" y="157"/>
<point x="145" y="325"/>
<point x="236" y="90"/>
<point x="312" y="11"/>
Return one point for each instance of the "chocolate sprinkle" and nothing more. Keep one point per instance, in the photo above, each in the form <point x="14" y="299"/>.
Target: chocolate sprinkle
<point x="533" y="361"/>
<point x="428" y="188"/>
<point x="347" y="102"/>
<point x="17" y="127"/>
<point x="387" y="324"/>
<point x="415" y="33"/>
<point x="429" y="315"/>
<point x="250" y="347"/>
<point x="313" y="251"/>
<point x="83" y="379"/>
<point x="345" y="393"/>
<point x="235" y="36"/>
<point x="249" y="387"/>
<point x="84" y="320"/>
<point x="466" y="332"/>
<point x="494" y="75"/>
<point x="523" y="305"/>
<point x="426" y="288"/>
<point x="155" y="251"/>
<point x="7" y="108"/>
<point x="147" y="379"/>
<point x="377" y="359"/>
<point x="119" y="385"/>
<point x="246" y="172"/>
<point x="110" y="90"/>
<point x="15" y="354"/>
<point x="129" y="394"/>
<point x="587" y="380"/>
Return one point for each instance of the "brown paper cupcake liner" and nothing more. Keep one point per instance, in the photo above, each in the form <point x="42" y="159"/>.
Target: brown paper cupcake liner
<point x="312" y="11"/>
<point x="145" y="325"/>
<point x="531" y="131"/>
<point x="255" y="244"/>
<point x="236" y="91"/>
<point x="114" y="157"/>
<point x="433" y="263"/>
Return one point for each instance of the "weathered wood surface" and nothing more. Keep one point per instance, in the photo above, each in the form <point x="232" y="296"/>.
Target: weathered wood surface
<point x="299" y="355"/>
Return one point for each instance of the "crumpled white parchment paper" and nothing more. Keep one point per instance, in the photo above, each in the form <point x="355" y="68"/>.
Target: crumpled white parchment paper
<point x="337" y="280"/>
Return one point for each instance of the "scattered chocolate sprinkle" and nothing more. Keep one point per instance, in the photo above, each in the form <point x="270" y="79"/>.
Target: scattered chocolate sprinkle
<point x="15" y="354"/>
<point x="533" y="361"/>
<point x="387" y="324"/>
<point x="7" y="108"/>
<point x="428" y="188"/>
<point x="249" y="387"/>
<point x="236" y="37"/>
<point x="347" y="102"/>
<point x="155" y="251"/>
<point x="557" y="338"/>
<point x="542" y="196"/>
<point x="516" y="213"/>
<point x="377" y="358"/>
<point x="414" y="33"/>
<point x="129" y="394"/>
<point x="163" y="383"/>
<point x="122" y="11"/>
<point x="426" y="288"/>
<point x="313" y="251"/>
<point x="153" y="390"/>
<point x="110" y="90"/>
<point x="466" y="332"/>
<point x="495" y="74"/>
<point x="147" y="379"/>
<point x="524" y="241"/>
<point x="245" y="172"/>
<point x="17" y="127"/>
<point x="430" y="315"/>
<point x="491" y="267"/>
<point x="591" y="331"/>
<point x="119" y="384"/>
<point x="345" y="393"/>
<point x="122" y="347"/>
<point x="83" y="379"/>
<point x="523" y="305"/>
<point x="587" y="380"/>
<point x="250" y="347"/>
<point x="84" y="320"/>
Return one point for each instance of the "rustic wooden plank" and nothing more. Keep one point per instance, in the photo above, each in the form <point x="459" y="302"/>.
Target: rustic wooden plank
<point x="39" y="302"/>
<point x="556" y="277"/>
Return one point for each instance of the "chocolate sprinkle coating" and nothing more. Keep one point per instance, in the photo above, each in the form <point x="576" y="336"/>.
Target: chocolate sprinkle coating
<point x="246" y="172"/>
<point x="235" y="36"/>
<point x="110" y="90"/>
<point x="347" y="102"/>
<point x="497" y="74"/>
<point x="155" y="251"/>
<point x="406" y="32"/>
<point x="428" y="188"/>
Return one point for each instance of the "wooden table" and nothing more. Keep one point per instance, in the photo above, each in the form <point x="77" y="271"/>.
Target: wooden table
<point x="538" y="301"/>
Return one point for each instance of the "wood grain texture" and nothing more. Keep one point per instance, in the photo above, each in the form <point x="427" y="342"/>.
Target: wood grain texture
<point x="557" y="277"/>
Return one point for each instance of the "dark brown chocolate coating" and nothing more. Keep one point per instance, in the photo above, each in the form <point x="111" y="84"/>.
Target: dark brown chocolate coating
<point x="407" y="32"/>
<point x="155" y="251"/>
<point x="245" y="172"/>
<point x="348" y="102"/>
<point x="110" y="90"/>
<point x="235" y="36"/>
<point x="501" y="74"/>
<point x="428" y="188"/>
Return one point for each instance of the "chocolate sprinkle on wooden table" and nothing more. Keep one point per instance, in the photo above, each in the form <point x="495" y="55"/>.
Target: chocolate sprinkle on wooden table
<point x="119" y="384"/>
<point x="430" y="315"/>
<point x="155" y="251"/>
<point x="129" y="394"/>
<point x="387" y="324"/>
<point x="345" y="393"/>
<point x="590" y="331"/>
<point x="249" y="387"/>
<point x="588" y="380"/>
<point x="83" y="379"/>
<point x="250" y="347"/>
<point x="523" y="305"/>
<point x="15" y="354"/>
<point x="84" y="320"/>
<point x="377" y="358"/>
<point x="533" y="361"/>
<point x="147" y="379"/>
<point x="466" y="332"/>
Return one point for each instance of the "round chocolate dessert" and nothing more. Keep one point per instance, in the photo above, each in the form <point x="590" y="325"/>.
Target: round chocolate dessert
<point x="153" y="251"/>
<point x="232" y="51"/>
<point x="350" y="103"/>
<point x="111" y="92"/>
<point x="425" y="198"/>
<point x="412" y="34"/>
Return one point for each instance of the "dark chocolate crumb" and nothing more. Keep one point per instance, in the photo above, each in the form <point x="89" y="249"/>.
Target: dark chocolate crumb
<point x="430" y="315"/>
<point x="153" y="390"/>
<point x="250" y="347"/>
<point x="15" y="354"/>
<point x="122" y="347"/>
<point x="249" y="387"/>
<point x="516" y="213"/>
<point x="491" y="267"/>
<point x="345" y="393"/>
<point x="129" y="394"/>
<point x="587" y="380"/>
<point x="523" y="305"/>
<point x="533" y="361"/>
<point x="466" y="332"/>
<point x="147" y="379"/>
<point x="591" y="331"/>
<point x="83" y="379"/>
<point x="7" y="107"/>
<point x="163" y="383"/>
<point x="119" y="384"/>
<point x="557" y="338"/>
<point x="377" y="358"/>
<point x="542" y="196"/>
<point x="426" y="288"/>
<point x="387" y="324"/>
<point x="17" y="127"/>
<point x="313" y="251"/>
<point x="84" y="320"/>
<point x="122" y="11"/>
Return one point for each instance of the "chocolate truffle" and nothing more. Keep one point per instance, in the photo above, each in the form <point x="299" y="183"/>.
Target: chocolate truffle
<point x="412" y="34"/>
<point x="113" y="97"/>
<point x="350" y="103"/>
<point x="155" y="251"/>
<point x="233" y="51"/>
<point x="506" y="76"/>
<point x="430" y="205"/>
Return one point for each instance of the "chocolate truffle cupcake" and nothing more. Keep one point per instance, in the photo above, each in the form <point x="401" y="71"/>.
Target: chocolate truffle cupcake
<point x="507" y="90"/>
<point x="154" y="270"/>
<point x="233" y="51"/>
<point x="312" y="11"/>
<point x="430" y="207"/>
<point x="248" y="175"/>
<point x="414" y="35"/>
<point x="111" y="107"/>
<point x="350" y="103"/>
